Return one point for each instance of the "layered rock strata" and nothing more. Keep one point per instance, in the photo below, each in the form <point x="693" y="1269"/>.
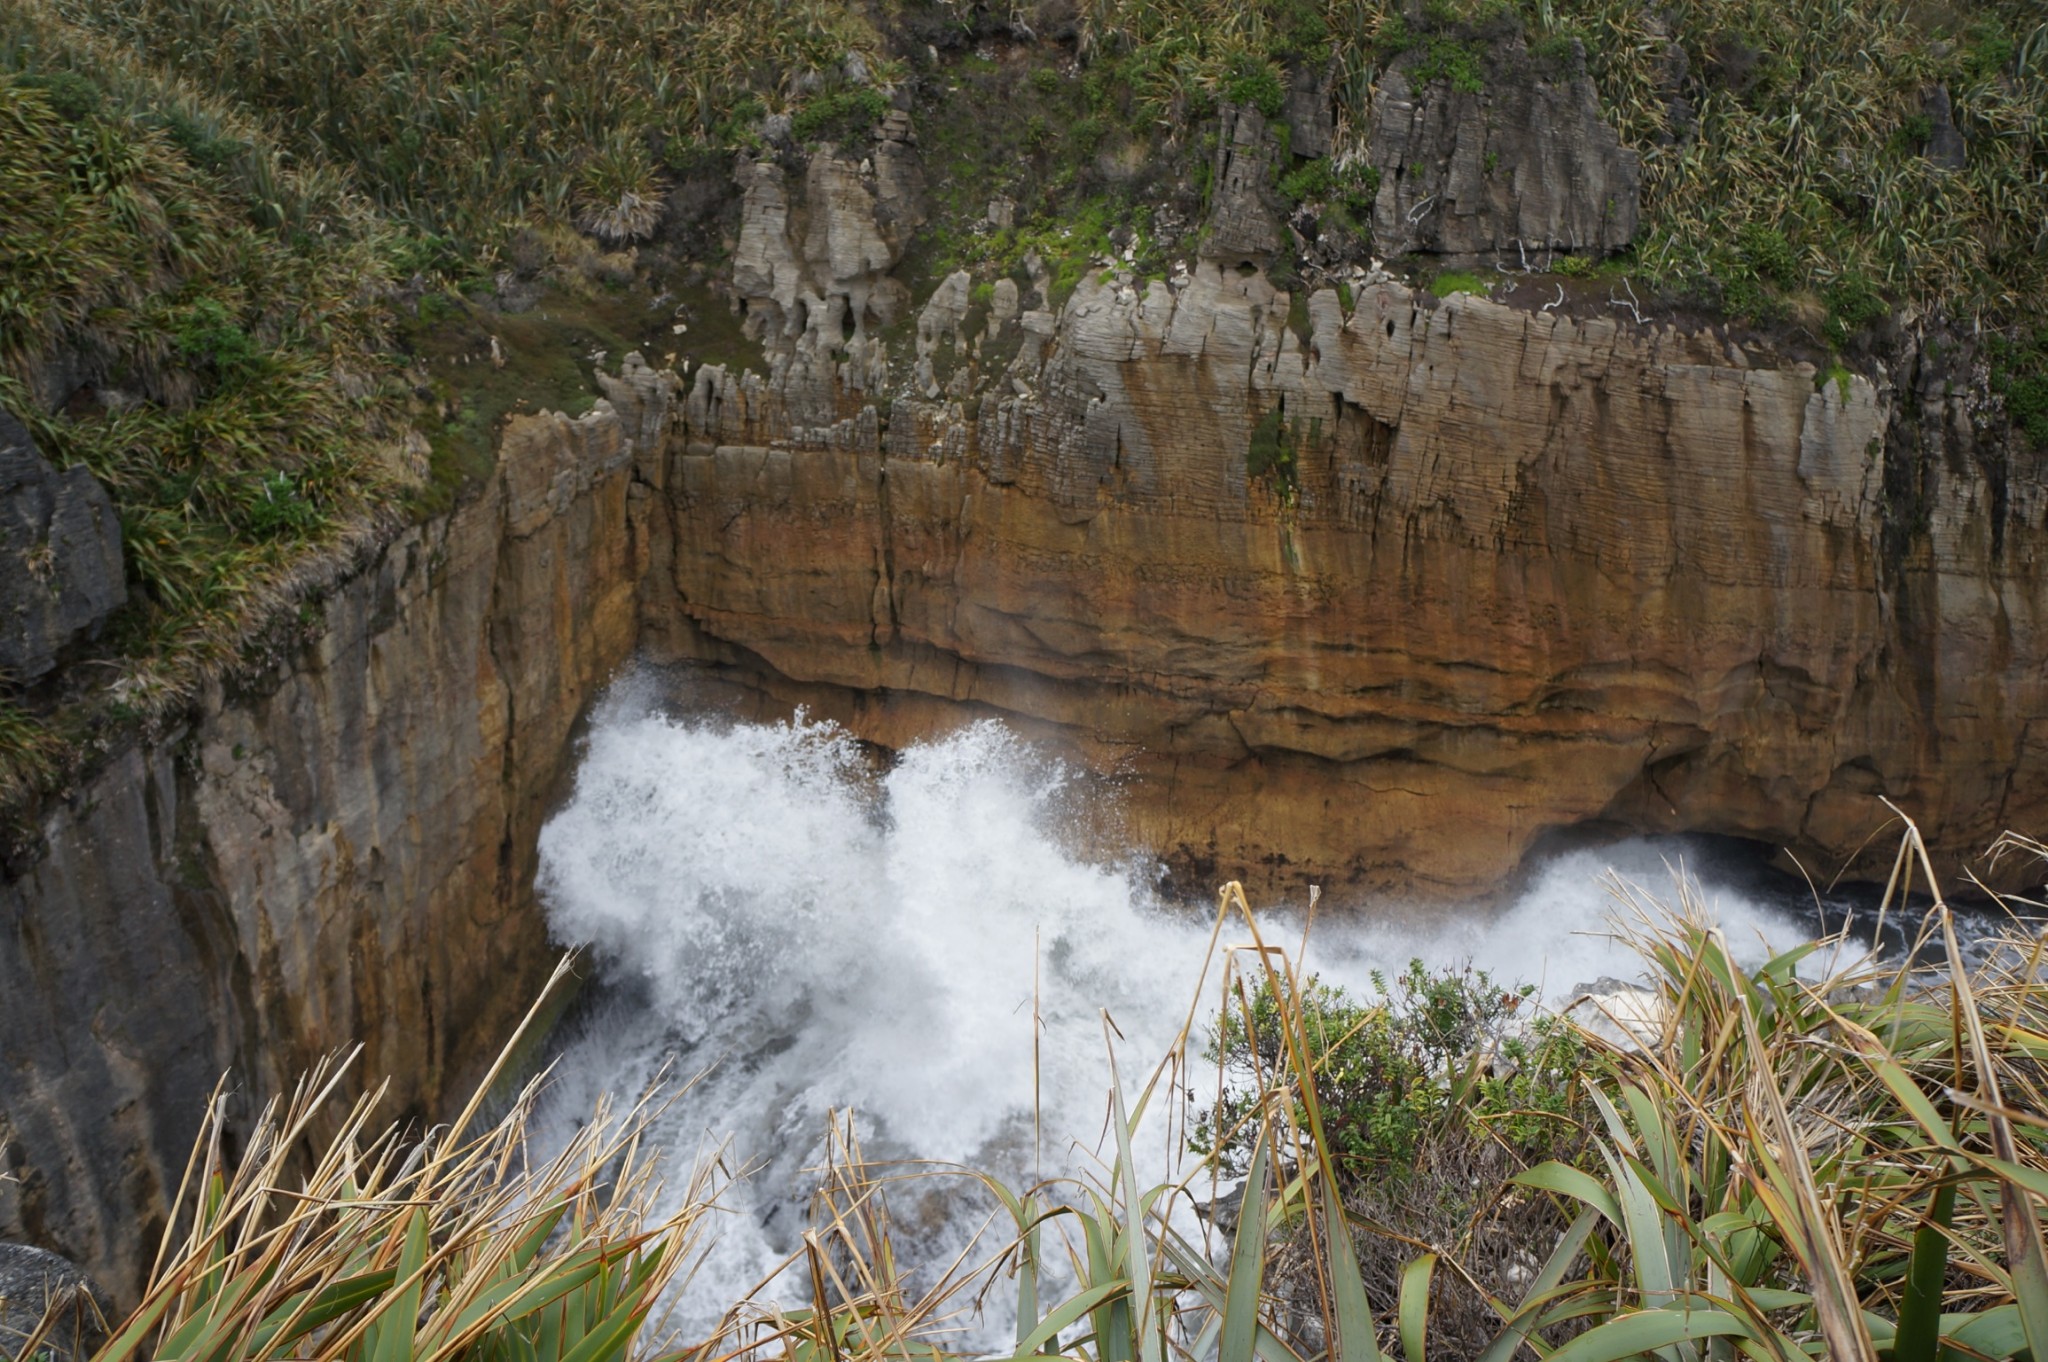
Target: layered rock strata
<point x="1521" y="167"/>
<point x="337" y="850"/>
<point x="1524" y="572"/>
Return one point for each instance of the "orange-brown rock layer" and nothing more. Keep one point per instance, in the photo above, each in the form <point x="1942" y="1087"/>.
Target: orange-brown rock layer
<point x="1531" y="572"/>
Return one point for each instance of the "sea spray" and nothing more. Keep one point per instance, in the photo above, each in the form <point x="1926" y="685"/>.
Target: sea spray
<point x="764" y="905"/>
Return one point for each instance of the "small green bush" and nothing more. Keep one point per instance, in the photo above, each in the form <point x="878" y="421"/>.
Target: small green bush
<point x="1743" y="295"/>
<point x="1769" y="255"/>
<point x="1449" y="59"/>
<point x="1432" y="1049"/>
<point x="1351" y="189"/>
<point x="207" y="335"/>
<point x="1045" y="80"/>
<point x="70" y="96"/>
<point x="1309" y="180"/>
<point x="205" y="147"/>
<point x="839" y="116"/>
<point x="1257" y="83"/>
<point x="1302" y="29"/>
<point x="279" y="508"/>
<point x="1854" y="304"/>
<point x="2019" y="374"/>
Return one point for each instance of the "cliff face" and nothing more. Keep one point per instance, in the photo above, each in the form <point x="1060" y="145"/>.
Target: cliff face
<point x="1367" y="587"/>
<point x="1507" y="571"/>
<point x="338" y="850"/>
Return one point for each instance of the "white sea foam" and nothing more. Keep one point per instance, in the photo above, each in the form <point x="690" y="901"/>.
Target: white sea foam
<point x="758" y="899"/>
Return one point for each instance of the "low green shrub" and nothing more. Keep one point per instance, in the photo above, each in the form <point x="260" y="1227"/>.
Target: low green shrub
<point x="2019" y="374"/>
<point x="1256" y="83"/>
<point x="1769" y="255"/>
<point x="1450" y="59"/>
<point x="1432" y="1049"/>
<point x="844" y="115"/>
<point x="1854" y="304"/>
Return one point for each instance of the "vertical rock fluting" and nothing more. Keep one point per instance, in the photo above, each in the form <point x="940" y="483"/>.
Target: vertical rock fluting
<point x="1526" y="572"/>
<point x="337" y="849"/>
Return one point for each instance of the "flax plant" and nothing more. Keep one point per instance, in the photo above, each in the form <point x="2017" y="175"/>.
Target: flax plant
<point x="381" y="1248"/>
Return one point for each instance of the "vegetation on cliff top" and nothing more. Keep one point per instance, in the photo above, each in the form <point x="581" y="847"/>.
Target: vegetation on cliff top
<point x="1814" y="121"/>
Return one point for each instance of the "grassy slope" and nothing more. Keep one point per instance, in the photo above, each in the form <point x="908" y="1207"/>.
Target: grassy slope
<point x="217" y="298"/>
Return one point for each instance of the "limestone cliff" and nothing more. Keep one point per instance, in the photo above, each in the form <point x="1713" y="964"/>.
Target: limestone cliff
<point x="1517" y="572"/>
<point x="339" y="849"/>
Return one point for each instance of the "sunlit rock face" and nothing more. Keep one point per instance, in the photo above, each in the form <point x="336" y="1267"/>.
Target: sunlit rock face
<point x="1525" y="571"/>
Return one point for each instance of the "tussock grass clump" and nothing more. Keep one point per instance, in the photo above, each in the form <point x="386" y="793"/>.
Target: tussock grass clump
<point x="366" y="1246"/>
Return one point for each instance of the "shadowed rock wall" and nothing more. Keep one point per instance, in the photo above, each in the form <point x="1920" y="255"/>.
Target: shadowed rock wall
<point x="338" y="850"/>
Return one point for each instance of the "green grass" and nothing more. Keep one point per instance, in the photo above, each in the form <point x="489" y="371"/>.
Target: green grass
<point x="1457" y="281"/>
<point x="464" y="117"/>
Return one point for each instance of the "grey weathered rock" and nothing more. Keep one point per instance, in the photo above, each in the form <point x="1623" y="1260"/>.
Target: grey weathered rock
<point x="1242" y="223"/>
<point x="60" y="555"/>
<point x="1945" y="143"/>
<point x="34" y="1282"/>
<point x="1003" y="305"/>
<point x="945" y="313"/>
<point x="813" y="269"/>
<point x="1527" y="163"/>
<point x="1311" y="110"/>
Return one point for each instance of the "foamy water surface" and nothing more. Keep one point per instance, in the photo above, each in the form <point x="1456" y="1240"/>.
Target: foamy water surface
<point x="758" y="900"/>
